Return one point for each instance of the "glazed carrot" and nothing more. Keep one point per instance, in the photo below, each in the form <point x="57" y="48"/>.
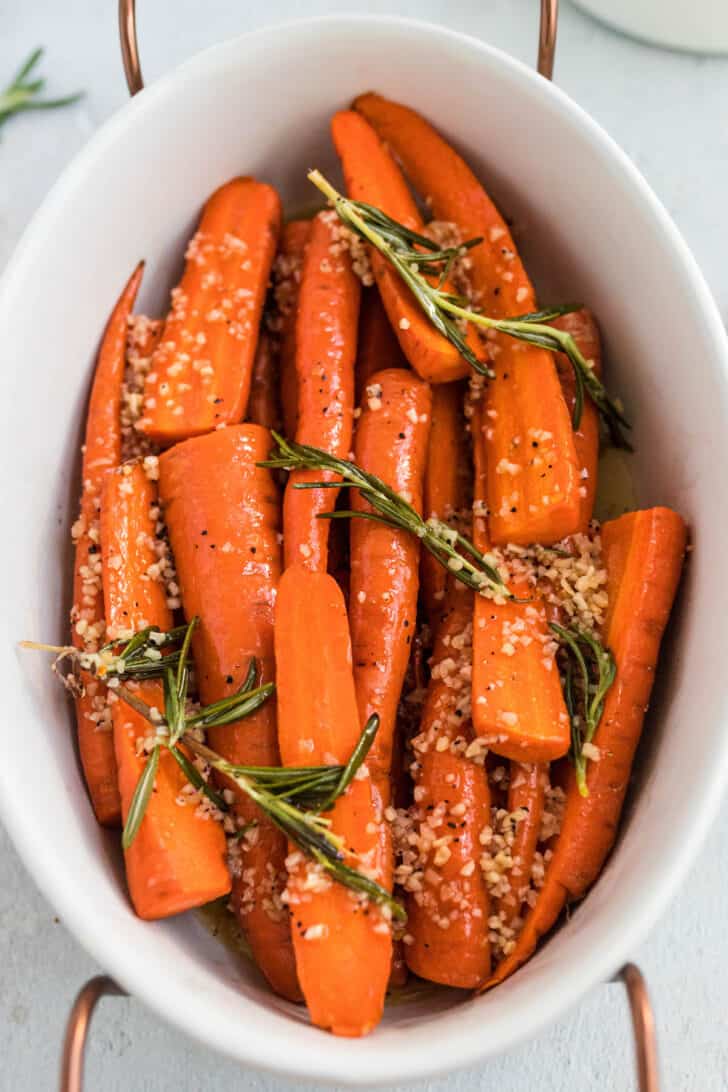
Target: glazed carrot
<point x="222" y="515"/>
<point x="445" y="486"/>
<point x="343" y="946"/>
<point x="202" y="368"/>
<point x="101" y="452"/>
<point x="583" y="328"/>
<point x="372" y="176"/>
<point x="326" y="325"/>
<point x="287" y="279"/>
<point x="448" y="910"/>
<point x="533" y="492"/>
<point x="525" y="803"/>
<point x="643" y="554"/>
<point x="518" y="704"/>
<point x="377" y="346"/>
<point x="263" y="405"/>
<point x="391" y="442"/>
<point x="178" y="858"/>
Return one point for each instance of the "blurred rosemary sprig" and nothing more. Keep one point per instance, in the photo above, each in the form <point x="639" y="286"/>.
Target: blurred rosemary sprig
<point x="397" y="244"/>
<point x="455" y="552"/>
<point x="22" y="91"/>
<point x="588" y="672"/>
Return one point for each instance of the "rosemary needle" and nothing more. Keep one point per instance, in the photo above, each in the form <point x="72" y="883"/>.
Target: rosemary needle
<point x="455" y="552"/>
<point x="444" y="310"/>
<point x="589" y="671"/>
<point x="22" y="92"/>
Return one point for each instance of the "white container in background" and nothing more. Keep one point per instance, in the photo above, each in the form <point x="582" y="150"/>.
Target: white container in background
<point x="699" y="26"/>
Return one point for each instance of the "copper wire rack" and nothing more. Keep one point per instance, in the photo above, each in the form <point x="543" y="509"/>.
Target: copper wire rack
<point x="79" y="1020"/>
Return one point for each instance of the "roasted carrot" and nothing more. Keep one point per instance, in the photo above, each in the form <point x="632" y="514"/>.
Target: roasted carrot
<point x="518" y="704"/>
<point x="525" y="805"/>
<point x="372" y="176"/>
<point x="222" y="514"/>
<point x="445" y="485"/>
<point x="326" y="326"/>
<point x="343" y="945"/>
<point x="287" y="279"/>
<point x="377" y="346"/>
<point x="448" y="906"/>
<point x="643" y="554"/>
<point x="263" y="404"/>
<point x="177" y="859"/>
<point x="101" y="452"/>
<point x="202" y="368"/>
<point x="533" y="482"/>
<point x="583" y="328"/>
<point x="391" y="442"/>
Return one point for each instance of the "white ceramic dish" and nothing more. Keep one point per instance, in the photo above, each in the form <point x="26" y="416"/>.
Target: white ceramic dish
<point x="591" y="229"/>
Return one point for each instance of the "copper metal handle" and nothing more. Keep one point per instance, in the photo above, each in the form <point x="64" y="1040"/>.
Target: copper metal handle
<point x="77" y="1028"/>
<point x="643" y="1026"/>
<point x="133" y="68"/>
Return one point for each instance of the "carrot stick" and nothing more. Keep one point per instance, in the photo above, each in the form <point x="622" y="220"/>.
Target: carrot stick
<point x="222" y="515"/>
<point x="343" y="947"/>
<point x="263" y="405"/>
<point x="377" y="346"/>
<point x="287" y="280"/>
<point x="178" y="858"/>
<point x="583" y="328"/>
<point x="518" y="704"/>
<point x="448" y="906"/>
<point x="372" y="176"/>
<point x="326" y="325"/>
<point x="391" y="442"/>
<point x="202" y="368"/>
<point x="101" y="452"/>
<point x="525" y="801"/>
<point x="643" y="554"/>
<point x="444" y="491"/>
<point x="533" y="493"/>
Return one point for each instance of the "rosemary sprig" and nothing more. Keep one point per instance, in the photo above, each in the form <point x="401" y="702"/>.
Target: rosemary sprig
<point x="307" y="829"/>
<point x="22" y="91"/>
<point x="589" y="672"/>
<point x="455" y="552"/>
<point x="397" y="244"/>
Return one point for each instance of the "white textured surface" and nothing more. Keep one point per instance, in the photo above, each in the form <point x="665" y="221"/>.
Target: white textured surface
<point x="668" y="112"/>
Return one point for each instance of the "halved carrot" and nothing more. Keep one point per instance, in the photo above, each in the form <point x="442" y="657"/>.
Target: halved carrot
<point x="643" y="554"/>
<point x="326" y="327"/>
<point x="202" y="368"/>
<point x="222" y="512"/>
<point x="525" y="802"/>
<point x="445" y="484"/>
<point x="448" y="909"/>
<point x="287" y="280"/>
<point x="372" y="176"/>
<point x="391" y="442"/>
<point x="533" y="492"/>
<point x="101" y="452"/>
<point x="377" y="346"/>
<point x="583" y="328"/>
<point x="518" y="704"/>
<point x="263" y="404"/>
<point x="178" y="858"/>
<point x="343" y="945"/>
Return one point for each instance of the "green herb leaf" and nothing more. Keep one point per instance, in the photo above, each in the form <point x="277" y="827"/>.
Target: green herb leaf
<point x="357" y="758"/>
<point x="140" y="799"/>
<point x="21" y="93"/>
<point x="395" y="242"/>
<point x="195" y="778"/>
<point x="454" y="552"/>
<point x="589" y="671"/>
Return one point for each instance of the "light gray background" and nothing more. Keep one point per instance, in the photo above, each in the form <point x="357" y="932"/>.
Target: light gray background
<point x="670" y="113"/>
